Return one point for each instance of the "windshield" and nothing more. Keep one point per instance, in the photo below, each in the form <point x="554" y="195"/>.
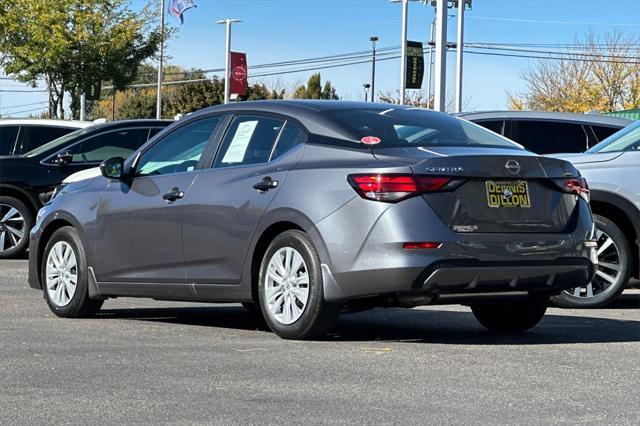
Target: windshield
<point x="417" y="127"/>
<point x="56" y="143"/>
<point x="627" y="139"/>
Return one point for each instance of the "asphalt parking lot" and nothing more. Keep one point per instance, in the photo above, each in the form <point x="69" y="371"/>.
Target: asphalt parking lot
<point x="160" y="363"/>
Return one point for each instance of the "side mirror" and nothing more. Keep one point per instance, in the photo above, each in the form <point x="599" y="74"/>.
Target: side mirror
<point x="113" y="168"/>
<point x="63" y="158"/>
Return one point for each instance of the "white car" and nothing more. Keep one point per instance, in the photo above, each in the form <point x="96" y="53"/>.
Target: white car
<point x="19" y="136"/>
<point x="612" y="170"/>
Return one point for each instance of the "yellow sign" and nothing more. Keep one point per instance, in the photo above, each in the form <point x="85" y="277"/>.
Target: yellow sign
<point x="508" y="194"/>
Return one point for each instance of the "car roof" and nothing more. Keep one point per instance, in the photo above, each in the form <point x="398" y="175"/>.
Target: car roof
<point x="71" y="124"/>
<point x="129" y="123"/>
<point x="306" y="111"/>
<point x="547" y="116"/>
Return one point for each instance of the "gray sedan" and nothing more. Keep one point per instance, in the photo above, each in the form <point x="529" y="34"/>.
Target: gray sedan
<point x="304" y="209"/>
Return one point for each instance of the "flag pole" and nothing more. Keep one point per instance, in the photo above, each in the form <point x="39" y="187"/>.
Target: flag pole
<point x="159" y="94"/>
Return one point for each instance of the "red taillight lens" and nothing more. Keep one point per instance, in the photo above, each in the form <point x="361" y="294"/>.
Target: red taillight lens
<point x="421" y="246"/>
<point x="392" y="188"/>
<point x="577" y="186"/>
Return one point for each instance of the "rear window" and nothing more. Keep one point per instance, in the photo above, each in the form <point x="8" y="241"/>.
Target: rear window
<point x="415" y="127"/>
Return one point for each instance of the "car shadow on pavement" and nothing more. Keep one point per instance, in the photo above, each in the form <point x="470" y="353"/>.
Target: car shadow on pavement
<point x="406" y="325"/>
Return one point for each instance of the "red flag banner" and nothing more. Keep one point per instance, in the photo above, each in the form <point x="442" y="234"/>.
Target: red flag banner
<point x="238" y="76"/>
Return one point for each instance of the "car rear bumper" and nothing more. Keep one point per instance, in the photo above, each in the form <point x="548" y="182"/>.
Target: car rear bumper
<point x="468" y="277"/>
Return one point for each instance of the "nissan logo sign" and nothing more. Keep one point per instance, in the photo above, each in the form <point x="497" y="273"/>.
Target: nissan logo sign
<point x="513" y="166"/>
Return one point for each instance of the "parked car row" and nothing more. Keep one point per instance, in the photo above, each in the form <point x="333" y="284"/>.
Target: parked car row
<point x="303" y="209"/>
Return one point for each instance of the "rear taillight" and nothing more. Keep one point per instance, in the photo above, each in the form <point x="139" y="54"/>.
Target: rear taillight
<point x="392" y="188"/>
<point x="576" y="186"/>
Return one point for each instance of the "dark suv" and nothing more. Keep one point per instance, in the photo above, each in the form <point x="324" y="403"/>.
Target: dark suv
<point x="21" y="135"/>
<point x="549" y="132"/>
<point x="28" y="181"/>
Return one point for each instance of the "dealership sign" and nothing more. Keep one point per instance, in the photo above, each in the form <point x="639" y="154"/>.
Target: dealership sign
<point x="238" y="76"/>
<point x="415" y="65"/>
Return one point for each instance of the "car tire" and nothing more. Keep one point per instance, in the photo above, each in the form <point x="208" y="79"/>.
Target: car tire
<point x="617" y="255"/>
<point x="15" y="219"/>
<point x="511" y="317"/>
<point x="290" y="289"/>
<point x="64" y="257"/>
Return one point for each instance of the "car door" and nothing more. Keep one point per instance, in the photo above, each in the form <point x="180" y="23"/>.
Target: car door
<point x="227" y="201"/>
<point x="139" y="223"/>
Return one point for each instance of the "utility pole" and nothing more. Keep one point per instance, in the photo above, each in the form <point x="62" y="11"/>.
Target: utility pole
<point x="441" y="55"/>
<point x="403" y="54"/>
<point x="429" y="89"/>
<point x="227" y="61"/>
<point x="159" y="94"/>
<point x="373" y="39"/>
<point x="459" y="54"/>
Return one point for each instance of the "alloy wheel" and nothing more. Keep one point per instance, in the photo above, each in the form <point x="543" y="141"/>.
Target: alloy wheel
<point x="286" y="285"/>
<point x="61" y="273"/>
<point x="11" y="227"/>
<point x="608" y="268"/>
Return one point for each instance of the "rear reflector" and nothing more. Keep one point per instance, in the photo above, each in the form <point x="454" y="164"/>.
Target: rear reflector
<point x="421" y="246"/>
<point x="396" y="187"/>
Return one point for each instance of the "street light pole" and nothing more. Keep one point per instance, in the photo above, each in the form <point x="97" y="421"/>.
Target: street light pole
<point x="441" y="55"/>
<point x="459" y="54"/>
<point x="159" y="94"/>
<point x="373" y="39"/>
<point x="429" y="86"/>
<point x="403" y="54"/>
<point x="227" y="61"/>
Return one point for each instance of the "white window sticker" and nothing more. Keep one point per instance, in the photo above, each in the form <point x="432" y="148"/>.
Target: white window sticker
<point x="238" y="146"/>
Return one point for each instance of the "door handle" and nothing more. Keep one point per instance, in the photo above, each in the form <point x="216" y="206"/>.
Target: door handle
<point x="265" y="184"/>
<point x="173" y="195"/>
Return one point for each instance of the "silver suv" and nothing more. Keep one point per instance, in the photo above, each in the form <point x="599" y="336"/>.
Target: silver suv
<point x="612" y="170"/>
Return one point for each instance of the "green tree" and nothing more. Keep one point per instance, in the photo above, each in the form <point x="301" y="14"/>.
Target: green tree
<point x="73" y="44"/>
<point x="314" y="89"/>
<point x="260" y="91"/>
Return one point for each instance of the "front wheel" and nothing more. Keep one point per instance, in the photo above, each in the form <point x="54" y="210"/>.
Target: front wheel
<point x="511" y="317"/>
<point x="16" y="221"/>
<point x="290" y="289"/>
<point x="64" y="276"/>
<point x="612" y="274"/>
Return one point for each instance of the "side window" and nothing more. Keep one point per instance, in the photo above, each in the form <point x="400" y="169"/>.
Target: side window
<point x="603" y="132"/>
<point x="154" y="131"/>
<point x="119" y="143"/>
<point x="249" y="140"/>
<point x="544" y="137"/>
<point x="8" y="139"/>
<point x="179" y="151"/>
<point x="291" y="137"/>
<point x="32" y="137"/>
<point x="496" y="126"/>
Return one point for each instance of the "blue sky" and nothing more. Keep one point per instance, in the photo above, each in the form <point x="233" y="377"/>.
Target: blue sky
<point x="277" y="30"/>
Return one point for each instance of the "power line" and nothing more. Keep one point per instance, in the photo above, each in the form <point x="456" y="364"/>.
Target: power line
<point x="23" y="105"/>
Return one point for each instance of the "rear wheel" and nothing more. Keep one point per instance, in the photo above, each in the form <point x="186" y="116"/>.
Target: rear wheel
<point x="612" y="275"/>
<point x="510" y="317"/>
<point x="290" y="289"/>
<point x="64" y="276"/>
<point x="16" y="221"/>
